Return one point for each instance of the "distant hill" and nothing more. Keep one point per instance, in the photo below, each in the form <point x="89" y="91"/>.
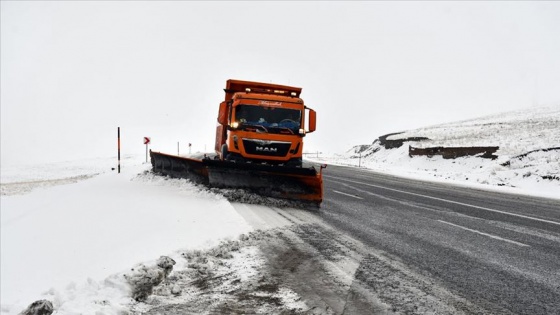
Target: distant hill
<point x="528" y="154"/>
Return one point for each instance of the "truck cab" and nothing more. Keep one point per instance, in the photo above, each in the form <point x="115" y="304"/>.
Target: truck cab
<point x="262" y="123"/>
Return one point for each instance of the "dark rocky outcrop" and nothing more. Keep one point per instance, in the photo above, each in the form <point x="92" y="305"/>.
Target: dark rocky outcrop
<point x="455" y="152"/>
<point x="397" y="143"/>
<point x="41" y="307"/>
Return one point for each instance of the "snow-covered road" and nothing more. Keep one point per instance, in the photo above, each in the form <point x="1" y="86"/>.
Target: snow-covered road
<point x="77" y="243"/>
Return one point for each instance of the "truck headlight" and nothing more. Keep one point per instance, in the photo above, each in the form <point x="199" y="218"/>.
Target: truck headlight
<point x="234" y="125"/>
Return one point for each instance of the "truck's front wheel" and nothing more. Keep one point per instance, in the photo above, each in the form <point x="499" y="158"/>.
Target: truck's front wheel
<point x="297" y="162"/>
<point x="224" y="152"/>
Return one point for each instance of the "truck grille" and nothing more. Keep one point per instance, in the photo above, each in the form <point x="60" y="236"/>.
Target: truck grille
<point x="266" y="148"/>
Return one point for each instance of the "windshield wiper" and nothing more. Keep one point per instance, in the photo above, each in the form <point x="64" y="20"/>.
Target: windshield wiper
<point x="245" y="125"/>
<point x="286" y="128"/>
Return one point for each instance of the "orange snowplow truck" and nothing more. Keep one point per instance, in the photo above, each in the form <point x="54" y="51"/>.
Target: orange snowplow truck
<point x="259" y="145"/>
<point x="261" y="122"/>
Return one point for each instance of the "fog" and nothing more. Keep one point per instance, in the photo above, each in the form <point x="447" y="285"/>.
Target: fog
<point x="74" y="71"/>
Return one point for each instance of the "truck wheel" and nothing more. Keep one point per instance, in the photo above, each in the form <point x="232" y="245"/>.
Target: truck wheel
<point x="224" y="152"/>
<point x="294" y="162"/>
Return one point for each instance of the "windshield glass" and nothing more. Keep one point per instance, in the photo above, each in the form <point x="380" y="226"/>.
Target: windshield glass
<point x="269" y="119"/>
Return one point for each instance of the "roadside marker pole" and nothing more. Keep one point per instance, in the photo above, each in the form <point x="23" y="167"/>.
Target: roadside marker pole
<point x="146" y="142"/>
<point x="360" y="161"/>
<point x="119" y="147"/>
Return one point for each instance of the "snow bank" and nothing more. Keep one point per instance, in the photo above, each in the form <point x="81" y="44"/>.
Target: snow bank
<point x="59" y="239"/>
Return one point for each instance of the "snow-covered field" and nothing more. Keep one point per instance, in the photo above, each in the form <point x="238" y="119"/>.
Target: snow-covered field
<point x="68" y="239"/>
<point x="516" y="133"/>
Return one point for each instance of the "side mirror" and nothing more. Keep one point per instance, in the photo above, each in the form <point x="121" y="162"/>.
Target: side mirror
<point x="312" y="120"/>
<point x="223" y="114"/>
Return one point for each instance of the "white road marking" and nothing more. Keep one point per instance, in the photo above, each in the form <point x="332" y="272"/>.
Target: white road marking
<point x="485" y="234"/>
<point x="450" y="201"/>
<point x="340" y="192"/>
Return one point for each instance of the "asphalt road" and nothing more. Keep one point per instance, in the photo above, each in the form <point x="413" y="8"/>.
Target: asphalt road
<point x="498" y="252"/>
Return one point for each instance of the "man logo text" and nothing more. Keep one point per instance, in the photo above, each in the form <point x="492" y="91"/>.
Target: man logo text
<point x="266" y="149"/>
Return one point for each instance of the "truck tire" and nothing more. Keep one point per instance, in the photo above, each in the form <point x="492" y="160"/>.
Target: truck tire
<point x="224" y="152"/>
<point x="294" y="162"/>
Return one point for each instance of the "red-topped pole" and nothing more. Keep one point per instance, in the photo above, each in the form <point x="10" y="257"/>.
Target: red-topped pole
<point x="146" y="142"/>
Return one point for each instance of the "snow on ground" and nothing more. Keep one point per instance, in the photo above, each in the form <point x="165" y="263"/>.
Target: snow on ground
<point x="95" y="245"/>
<point x="71" y="231"/>
<point x="516" y="133"/>
<point x="67" y="237"/>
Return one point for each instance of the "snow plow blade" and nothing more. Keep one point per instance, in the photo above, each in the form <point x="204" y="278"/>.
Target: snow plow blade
<point x="294" y="183"/>
<point x="179" y="167"/>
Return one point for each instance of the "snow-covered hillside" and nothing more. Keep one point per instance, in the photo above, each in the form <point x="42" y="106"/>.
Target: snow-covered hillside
<point x="528" y="158"/>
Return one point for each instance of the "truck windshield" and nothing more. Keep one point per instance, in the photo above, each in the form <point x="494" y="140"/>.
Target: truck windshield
<point x="269" y="119"/>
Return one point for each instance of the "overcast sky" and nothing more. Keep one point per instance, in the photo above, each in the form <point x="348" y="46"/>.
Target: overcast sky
<point x="74" y="71"/>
